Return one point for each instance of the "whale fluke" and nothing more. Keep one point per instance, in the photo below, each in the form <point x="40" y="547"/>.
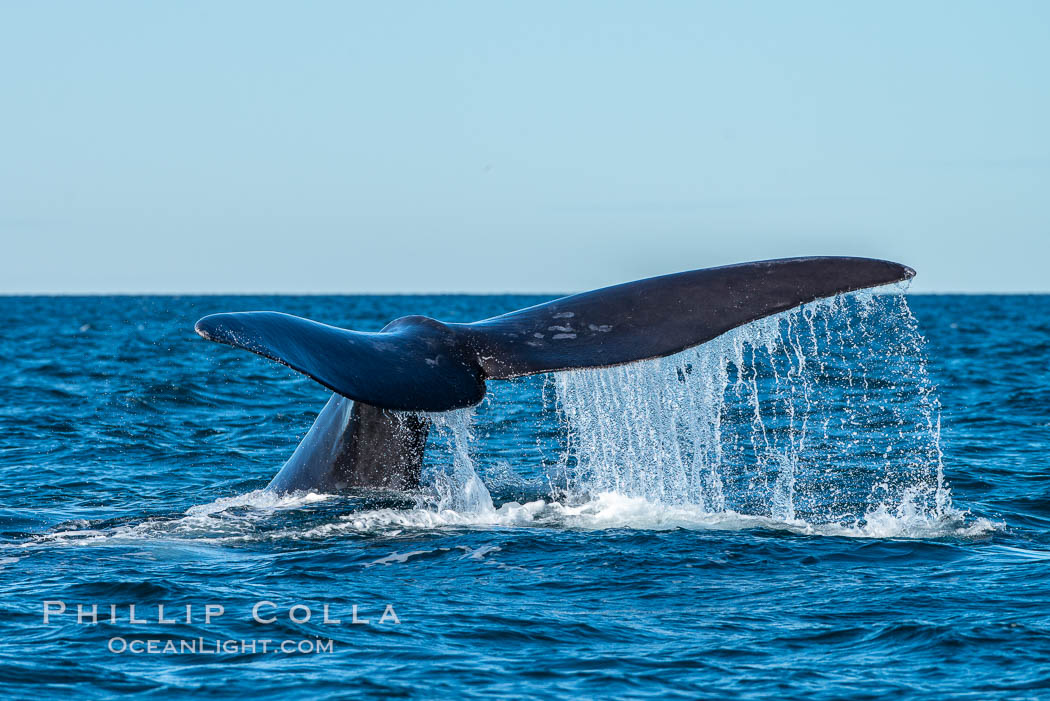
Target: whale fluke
<point x="421" y="364"/>
<point x="418" y="364"/>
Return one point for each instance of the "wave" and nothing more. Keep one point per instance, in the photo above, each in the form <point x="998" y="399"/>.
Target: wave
<point x="256" y="517"/>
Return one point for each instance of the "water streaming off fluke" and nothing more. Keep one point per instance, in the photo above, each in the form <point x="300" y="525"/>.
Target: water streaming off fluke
<point x="824" y="414"/>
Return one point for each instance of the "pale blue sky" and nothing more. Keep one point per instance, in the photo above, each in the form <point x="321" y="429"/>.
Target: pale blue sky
<point x="490" y="146"/>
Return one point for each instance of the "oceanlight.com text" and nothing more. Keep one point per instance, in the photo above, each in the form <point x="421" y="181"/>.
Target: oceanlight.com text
<point x="204" y="646"/>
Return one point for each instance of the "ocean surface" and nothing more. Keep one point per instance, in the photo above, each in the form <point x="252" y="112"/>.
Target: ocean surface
<point x="851" y="500"/>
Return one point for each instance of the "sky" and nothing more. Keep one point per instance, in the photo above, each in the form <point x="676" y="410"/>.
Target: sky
<point x="517" y="146"/>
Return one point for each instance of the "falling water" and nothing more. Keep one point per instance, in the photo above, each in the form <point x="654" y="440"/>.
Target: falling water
<point x="824" y="414"/>
<point x="454" y="484"/>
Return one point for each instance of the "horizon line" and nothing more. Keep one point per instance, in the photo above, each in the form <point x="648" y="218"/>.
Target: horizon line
<point x="930" y="293"/>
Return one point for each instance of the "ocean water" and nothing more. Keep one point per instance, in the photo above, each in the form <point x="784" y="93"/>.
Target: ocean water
<point x="851" y="500"/>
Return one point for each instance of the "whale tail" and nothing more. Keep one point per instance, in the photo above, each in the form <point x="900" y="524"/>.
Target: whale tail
<point x="418" y="364"/>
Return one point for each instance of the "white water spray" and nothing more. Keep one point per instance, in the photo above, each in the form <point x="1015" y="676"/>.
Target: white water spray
<point x="456" y="486"/>
<point x="824" y="414"/>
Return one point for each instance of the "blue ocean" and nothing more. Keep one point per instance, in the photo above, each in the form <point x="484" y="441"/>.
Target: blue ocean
<point x="849" y="500"/>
